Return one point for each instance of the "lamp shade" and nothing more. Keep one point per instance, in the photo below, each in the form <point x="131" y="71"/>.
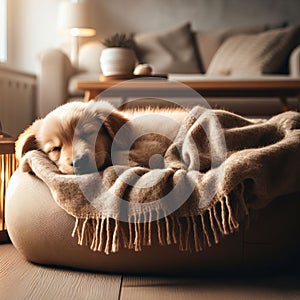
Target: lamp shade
<point x="76" y="19"/>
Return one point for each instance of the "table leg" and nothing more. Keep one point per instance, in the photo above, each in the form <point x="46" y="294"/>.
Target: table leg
<point x="87" y="97"/>
<point x="90" y="94"/>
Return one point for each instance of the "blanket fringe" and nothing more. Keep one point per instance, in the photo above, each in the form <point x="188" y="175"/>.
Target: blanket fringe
<point x="192" y="233"/>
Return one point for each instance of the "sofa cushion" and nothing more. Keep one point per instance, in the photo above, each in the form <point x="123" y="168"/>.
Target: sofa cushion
<point x="208" y="42"/>
<point x="168" y="51"/>
<point x="255" y="54"/>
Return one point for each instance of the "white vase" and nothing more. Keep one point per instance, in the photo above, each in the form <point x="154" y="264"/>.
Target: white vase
<point x="117" y="61"/>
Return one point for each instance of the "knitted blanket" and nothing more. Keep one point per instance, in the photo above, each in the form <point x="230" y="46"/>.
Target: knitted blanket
<point x="219" y="166"/>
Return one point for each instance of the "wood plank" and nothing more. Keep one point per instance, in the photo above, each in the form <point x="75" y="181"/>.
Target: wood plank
<point x="20" y="279"/>
<point x="283" y="84"/>
<point x="269" y="87"/>
<point x="210" y="288"/>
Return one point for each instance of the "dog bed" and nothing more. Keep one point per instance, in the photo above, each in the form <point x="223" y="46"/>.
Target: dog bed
<point x="261" y="163"/>
<point x="41" y="231"/>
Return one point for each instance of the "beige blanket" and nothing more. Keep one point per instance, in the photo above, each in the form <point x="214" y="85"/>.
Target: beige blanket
<point x="218" y="167"/>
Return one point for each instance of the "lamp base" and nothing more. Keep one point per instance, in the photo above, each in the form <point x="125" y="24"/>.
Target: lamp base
<point x="4" y="237"/>
<point x="74" y="51"/>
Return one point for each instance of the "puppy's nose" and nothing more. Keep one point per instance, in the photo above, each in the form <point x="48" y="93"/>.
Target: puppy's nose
<point x="80" y="164"/>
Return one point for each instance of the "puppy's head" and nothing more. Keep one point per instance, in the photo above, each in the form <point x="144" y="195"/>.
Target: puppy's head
<point x="76" y="136"/>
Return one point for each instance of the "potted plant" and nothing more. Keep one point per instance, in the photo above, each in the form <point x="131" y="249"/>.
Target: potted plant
<point x="118" y="58"/>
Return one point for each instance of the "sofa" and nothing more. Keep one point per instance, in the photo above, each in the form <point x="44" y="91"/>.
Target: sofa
<point x="248" y="51"/>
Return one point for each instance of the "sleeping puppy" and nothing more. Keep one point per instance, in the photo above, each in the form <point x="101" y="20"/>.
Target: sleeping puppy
<point x="83" y="137"/>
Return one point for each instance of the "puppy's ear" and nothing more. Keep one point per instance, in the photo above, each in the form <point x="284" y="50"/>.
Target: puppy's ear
<point x="113" y="120"/>
<point x="113" y="123"/>
<point x="27" y="140"/>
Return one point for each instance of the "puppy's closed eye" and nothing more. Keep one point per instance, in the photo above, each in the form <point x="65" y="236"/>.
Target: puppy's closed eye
<point x="55" y="149"/>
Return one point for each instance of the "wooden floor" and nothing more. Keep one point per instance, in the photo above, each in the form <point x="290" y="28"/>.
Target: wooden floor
<point x="20" y="279"/>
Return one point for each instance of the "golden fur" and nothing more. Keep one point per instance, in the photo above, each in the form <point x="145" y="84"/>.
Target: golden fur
<point x="73" y="137"/>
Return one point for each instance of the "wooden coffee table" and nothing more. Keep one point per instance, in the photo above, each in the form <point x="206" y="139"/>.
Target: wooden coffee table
<point x="280" y="87"/>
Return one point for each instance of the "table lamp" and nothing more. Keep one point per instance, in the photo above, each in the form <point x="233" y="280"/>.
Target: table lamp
<point x="7" y="167"/>
<point x="76" y="18"/>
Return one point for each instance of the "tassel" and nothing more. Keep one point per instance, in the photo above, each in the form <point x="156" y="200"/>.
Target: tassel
<point x="187" y="234"/>
<point x="206" y="235"/>
<point x="135" y="234"/>
<point x="115" y="241"/>
<point x="83" y="231"/>
<point x="140" y="233"/>
<point x="130" y="245"/>
<point x="101" y="237"/>
<point x="180" y="235"/>
<point x="225" y="229"/>
<point x="89" y="232"/>
<point x="217" y="218"/>
<point x="161" y="231"/>
<point x="173" y="230"/>
<point x="92" y="231"/>
<point x="169" y="242"/>
<point x="145" y="231"/>
<point x="75" y="227"/>
<point x="107" y="246"/>
<point x="149" y="243"/>
<point x="160" y="240"/>
<point x="198" y="246"/>
<point x="213" y="228"/>
<point x="78" y="234"/>
<point x="137" y="239"/>
<point x="96" y="236"/>
<point x="233" y="224"/>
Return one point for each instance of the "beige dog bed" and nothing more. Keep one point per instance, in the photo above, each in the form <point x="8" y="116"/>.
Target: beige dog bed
<point x="143" y="233"/>
<point x="41" y="231"/>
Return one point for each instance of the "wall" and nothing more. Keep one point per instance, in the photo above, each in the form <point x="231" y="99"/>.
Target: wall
<point x="31" y="28"/>
<point x="32" y="23"/>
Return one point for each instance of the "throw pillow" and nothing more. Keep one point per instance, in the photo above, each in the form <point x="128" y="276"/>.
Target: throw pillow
<point x="255" y="54"/>
<point x="168" y="51"/>
<point x="208" y="42"/>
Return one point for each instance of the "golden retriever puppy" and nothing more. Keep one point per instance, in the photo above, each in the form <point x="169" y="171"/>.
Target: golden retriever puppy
<point x="84" y="137"/>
